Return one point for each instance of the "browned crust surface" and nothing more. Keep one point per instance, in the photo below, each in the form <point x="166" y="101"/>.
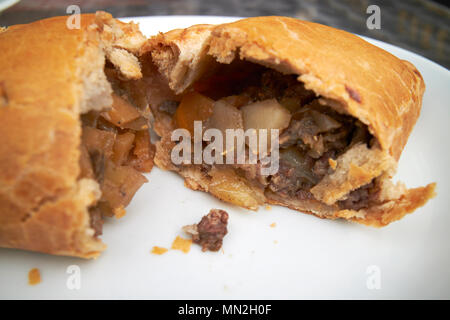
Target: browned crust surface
<point x="394" y="210"/>
<point x="43" y="205"/>
<point x="376" y="216"/>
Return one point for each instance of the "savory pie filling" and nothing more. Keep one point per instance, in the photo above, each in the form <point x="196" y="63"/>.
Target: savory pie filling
<point x="116" y="148"/>
<point x="312" y="136"/>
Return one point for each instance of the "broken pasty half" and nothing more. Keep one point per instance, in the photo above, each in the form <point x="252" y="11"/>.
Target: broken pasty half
<point x="343" y="109"/>
<point x="74" y="137"/>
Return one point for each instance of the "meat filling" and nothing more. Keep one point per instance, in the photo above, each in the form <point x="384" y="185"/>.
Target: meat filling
<point x="210" y="231"/>
<point x="312" y="134"/>
<point x="116" y="148"/>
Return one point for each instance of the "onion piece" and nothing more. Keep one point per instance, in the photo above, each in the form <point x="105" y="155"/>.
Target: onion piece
<point x="301" y="164"/>
<point x="120" y="184"/>
<point x="98" y="140"/>
<point x="324" y="122"/>
<point x="237" y="101"/>
<point x="143" y="152"/>
<point x="291" y="103"/>
<point x="86" y="170"/>
<point x="121" y="112"/>
<point x="230" y="187"/>
<point x="137" y="124"/>
<point x="122" y="147"/>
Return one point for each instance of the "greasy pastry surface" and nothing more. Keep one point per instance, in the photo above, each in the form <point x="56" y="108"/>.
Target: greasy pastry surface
<point x="49" y="75"/>
<point x="349" y="74"/>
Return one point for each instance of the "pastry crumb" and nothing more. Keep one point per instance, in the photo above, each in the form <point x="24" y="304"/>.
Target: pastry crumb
<point x="268" y="207"/>
<point x="273" y="224"/>
<point x="34" y="277"/>
<point x="159" y="250"/>
<point x="120" y="212"/>
<point x="181" y="244"/>
<point x="332" y="163"/>
<point x="209" y="232"/>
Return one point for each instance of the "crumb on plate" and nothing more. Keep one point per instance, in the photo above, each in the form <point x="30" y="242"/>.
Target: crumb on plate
<point x="181" y="244"/>
<point x="159" y="250"/>
<point x="34" y="277"/>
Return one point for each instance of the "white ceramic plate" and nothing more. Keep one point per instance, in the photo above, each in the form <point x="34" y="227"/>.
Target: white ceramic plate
<point x="5" y="4"/>
<point x="302" y="257"/>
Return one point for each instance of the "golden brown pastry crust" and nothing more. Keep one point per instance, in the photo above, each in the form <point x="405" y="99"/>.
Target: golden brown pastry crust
<point x="350" y="75"/>
<point x="369" y="83"/>
<point x="43" y="204"/>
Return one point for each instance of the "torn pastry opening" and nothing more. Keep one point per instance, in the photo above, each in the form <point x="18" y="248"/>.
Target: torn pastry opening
<point x="328" y="160"/>
<point x="115" y="143"/>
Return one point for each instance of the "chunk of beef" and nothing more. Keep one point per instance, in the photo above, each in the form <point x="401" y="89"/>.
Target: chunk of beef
<point x="210" y="231"/>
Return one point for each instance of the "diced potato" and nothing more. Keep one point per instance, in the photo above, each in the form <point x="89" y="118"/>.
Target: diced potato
<point x="193" y="107"/>
<point x="225" y="116"/>
<point x="267" y="114"/>
<point x="228" y="186"/>
<point x="122" y="147"/>
<point x="98" y="140"/>
<point x="121" y="112"/>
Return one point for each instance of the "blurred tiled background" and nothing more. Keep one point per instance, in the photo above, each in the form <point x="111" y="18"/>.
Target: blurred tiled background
<point x="421" y="26"/>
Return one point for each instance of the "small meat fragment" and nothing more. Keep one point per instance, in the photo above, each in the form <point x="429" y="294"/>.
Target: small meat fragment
<point x="181" y="244"/>
<point x="34" y="277"/>
<point x="159" y="250"/>
<point x="209" y="232"/>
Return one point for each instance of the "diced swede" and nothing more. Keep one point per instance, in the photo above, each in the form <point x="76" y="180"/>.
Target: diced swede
<point x="193" y="107"/>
